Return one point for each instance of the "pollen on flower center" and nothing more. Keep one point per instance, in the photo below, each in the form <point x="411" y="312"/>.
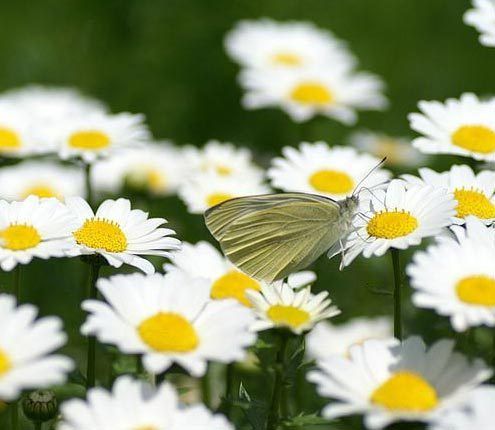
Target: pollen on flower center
<point x="311" y="93"/>
<point x="477" y="290"/>
<point x="9" y="140"/>
<point x="5" y="364"/>
<point x="18" y="237"/>
<point x="390" y="225"/>
<point x="168" y="332"/>
<point x="89" y="140"/>
<point x="331" y="181"/>
<point x="101" y="234"/>
<point x="286" y="59"/>
<point x="473" y="202"/>
<point x="233" y="285"/>
<point x="217" y="198"/>
<point x="290" y="316"/>
<point x="476" y="138"/>
<point x="41" y="190"/>
<point x="406" y="391"/>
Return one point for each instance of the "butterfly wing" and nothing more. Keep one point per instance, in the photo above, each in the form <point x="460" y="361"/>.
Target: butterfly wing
<point x="271" y="236"/>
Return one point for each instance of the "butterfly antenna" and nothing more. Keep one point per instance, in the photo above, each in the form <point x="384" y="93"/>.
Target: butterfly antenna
<point x="368" y="174"/>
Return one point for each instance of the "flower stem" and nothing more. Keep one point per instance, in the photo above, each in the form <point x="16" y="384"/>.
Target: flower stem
<point x="14" y="415"/>
<point x="92" y="294"/>
<point x="37" y="425"/>
<point x="89" y="188"/>
<point x="206" y="388"/>
<point x="16" y="281"/>
<point x="277" y="408"/>
<point x="397" y="294"/>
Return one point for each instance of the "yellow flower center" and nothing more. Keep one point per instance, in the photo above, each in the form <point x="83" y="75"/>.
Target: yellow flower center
<point x="147" y="428"/>
<point x="147" y="178"/>
<point x="389" y="225"/>
<point x="9" y="140"/>
<point x="5" y="363"/>
<point x="473" y="202"/>
<point x="42" y="191"/>
<point x="476" y="138"/>
<point x="331" y="181"/>
<point x="168" y="332"/>
<point x="406" y="391"/>
<point x="286" y="59"/>
<point x="477" y="290"/>
<point x="217" y="198"/>
<point x="223" y="170"/>
<point x="18" y="237"/>
<point x="101" y="234"/>
<point x="289" y="316"/>
<point x="233" y="285"/>
<point x="89" y="140"/>
<point x="311" y="93"/>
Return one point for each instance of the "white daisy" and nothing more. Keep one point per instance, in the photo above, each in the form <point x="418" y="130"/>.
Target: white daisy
<point x="477" y="413"/>
<point x="221" y="158"/>
<point x="203" y="260"/>
<point x="333" y="92"/>
<point x="169" y="322"/>
<point x="317" y="168"/>
<point x="42" y="179"/>
<point x="98" y="135"/>
<point x="267" y="44"/>
<point x="25" y="348"/>
<point x="474" y="193"/>
<point x="329" y="339"/>
<point x="397" y="150"/>
<point x="119" y="233"/>
<point x="136" y="405"/>
<point x="389" y="381"/>
<point x="398" y="218"/>
<point x="209" y="189"/>
<point x="33" y="228"/>
<point x="157" y="168"/>
<point x="456" y="277"/>
<point x="482" y="17"/>
<point x="279" y="305"/>
<point x="16" y="134"/>
<point x="464" y="127"/>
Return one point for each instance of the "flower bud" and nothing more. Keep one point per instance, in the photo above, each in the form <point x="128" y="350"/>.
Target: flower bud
<point x="40" y="406"/>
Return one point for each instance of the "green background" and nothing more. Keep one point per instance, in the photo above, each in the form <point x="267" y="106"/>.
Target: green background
<point x="166" y="60"/>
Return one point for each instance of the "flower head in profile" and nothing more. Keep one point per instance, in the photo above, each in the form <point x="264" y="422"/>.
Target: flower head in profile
<point x="280" y="305"/>
<point x="482" y="18"/>
<point x="137" y="405"/>
<point x="389" y="381"/>
<point x="399" y="217"/>
<point x="464" y="126"/>
<point x="317" y="168"/>
<point x="118" y="233"/>
<point x="32" y="228"/>
<point x="26" y="344"/>
<point x="169" y="319"/>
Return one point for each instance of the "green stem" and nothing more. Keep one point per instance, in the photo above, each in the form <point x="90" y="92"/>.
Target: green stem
<point x="92" y="295"/>
<point x="206" y="388"/>
<point x="38" y="425"/>
<point x="397" y="294"/>
<point x="16" y="282"/>
<point x="225" y="406"/>
<point x="89" y="188"/>
<point x="277" y="407"/>
<point x="14" y="415"/>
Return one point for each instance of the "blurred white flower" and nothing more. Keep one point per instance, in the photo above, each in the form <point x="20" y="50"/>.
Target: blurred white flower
<point x="25" y="348"/>
<point x="169" y="322"/>
<point x="16" y="134"/>
<point x="389" y="381"/>
<point x="482" y="18"/>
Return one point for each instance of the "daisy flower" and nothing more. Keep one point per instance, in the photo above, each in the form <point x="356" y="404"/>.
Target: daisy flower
<point x="222" y="158"/>
<point x="331" y="91"/>
<point x="317" y="168"/>
<point x="474" y="193"/>
<point x="482" y="18"/>
<point x="98" y="135"/>
<point x="208" y="189"/>
<point x="42" y="179"/>
<point x="33" y="228"/>
<point x="16" y="136"/>
<point x="397" y="150"/>
<point x="137" y="405"/>
<point x="476" y="414"/>
<point x="456" y="277"/>
<point x="267" y="44"/>
<point x="329" y="339"/>
<point x="463" y="127"/>
<point x="203" y="260"/>
<point x="398" y="218"/>
<point x="169" y="321"/>
<point x="389" y="381"/>
<point x="119" y="234"/>
<point x="279" y="305"/>
<point x="25" y="348"/>
<point x="157" y="168"/>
